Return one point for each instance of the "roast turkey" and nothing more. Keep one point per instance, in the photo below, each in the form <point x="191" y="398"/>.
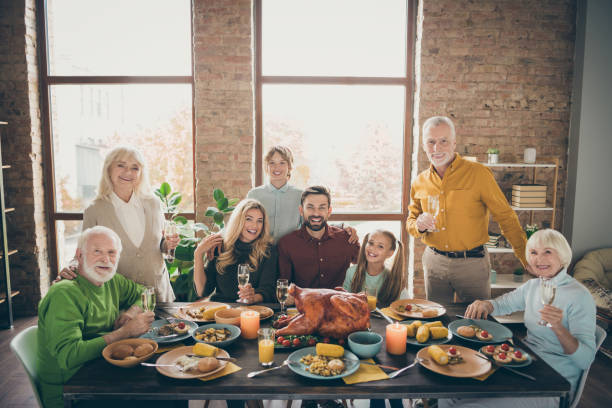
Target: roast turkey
<point x="327" y="312"/>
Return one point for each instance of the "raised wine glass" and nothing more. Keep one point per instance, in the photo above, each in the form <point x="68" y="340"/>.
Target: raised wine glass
<point x="282" y="292"/>
<point x="433" y="207"/>
<point x="547" y="295"/>
<point x="243" y="277"/>
<point x="170" y="231"/>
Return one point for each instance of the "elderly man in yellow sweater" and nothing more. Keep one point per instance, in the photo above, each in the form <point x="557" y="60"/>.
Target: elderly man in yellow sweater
<point x="455" y="259"/>
<point x="79" y="317"/>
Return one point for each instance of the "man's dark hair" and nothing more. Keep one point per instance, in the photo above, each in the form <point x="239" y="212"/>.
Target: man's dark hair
<point x="316" y="190"/>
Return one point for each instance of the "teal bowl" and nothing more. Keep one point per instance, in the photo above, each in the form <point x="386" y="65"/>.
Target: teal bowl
<point x="234" y="334"/>
<point x="365" y="344"/>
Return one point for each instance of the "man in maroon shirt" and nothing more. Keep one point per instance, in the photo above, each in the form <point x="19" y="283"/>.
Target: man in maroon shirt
<point x="316" y="255"/>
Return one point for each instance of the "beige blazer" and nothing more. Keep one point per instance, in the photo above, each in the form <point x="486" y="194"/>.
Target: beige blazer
<point x="144" y="264"/>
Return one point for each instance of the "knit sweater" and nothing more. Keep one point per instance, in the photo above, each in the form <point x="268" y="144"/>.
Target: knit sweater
<point x="144" y="264"/>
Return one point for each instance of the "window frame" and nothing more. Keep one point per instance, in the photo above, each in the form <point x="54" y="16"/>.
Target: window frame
<point x="46" y="81"/>
<point x="406" y="81"/>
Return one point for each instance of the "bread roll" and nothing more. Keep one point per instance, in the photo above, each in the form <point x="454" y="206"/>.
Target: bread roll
<point x="122" y="351"/>
<point x="207" y="364"/>
<point x="466" y="331"/>
<point x="143" y="350"/>
<point x="430" y="313"/>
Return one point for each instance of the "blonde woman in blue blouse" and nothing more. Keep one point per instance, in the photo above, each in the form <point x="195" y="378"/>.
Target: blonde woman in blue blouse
<point x="567" y="343"/>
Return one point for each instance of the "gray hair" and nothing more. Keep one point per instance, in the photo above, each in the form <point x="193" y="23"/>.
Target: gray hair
<point x="119" y="153"/>
<point x="436" y="121"/>
<point x="99" y="229"/>
<point x="549" y="238"/>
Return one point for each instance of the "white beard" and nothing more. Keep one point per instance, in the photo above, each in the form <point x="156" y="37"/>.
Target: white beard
<point x="89" y="272"/>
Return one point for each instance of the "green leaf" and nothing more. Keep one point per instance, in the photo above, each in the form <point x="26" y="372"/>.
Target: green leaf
<point x="198" y="226"/>
<point x="184" y="253"/>
<point x="218" y="194"/>
<point x="179" y="219"/>
<point x="165" y="189"/>
<point x="175" y="200"/>
<point x="210" y="211"/>
<point x="228" y="209"/>
<point x="223" y="203"/>
<point x="218" y="217"/>
<point x="158" y="194"/>
<point x="234" y="201"/>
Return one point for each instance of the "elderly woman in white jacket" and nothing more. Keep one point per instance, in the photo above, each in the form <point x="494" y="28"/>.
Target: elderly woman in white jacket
<point x="125" y="204"/>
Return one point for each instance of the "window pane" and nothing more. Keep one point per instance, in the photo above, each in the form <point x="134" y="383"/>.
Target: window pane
<point x="348" y="138"/>
<point x="334" y="38"/>
<point x="88" y="120"/>
<point x="118" y="37"/>
<point x="67" y="239"/>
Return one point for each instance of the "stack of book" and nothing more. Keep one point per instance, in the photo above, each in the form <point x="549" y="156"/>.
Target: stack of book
<point x="493" y="241"/>
<point x="529" y="195"/>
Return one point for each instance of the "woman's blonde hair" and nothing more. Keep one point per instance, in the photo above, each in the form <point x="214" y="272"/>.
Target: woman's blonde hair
<point x="284" y="152"/>
<point x="119" y="153"/>
<point x="260" y="246"/>
<point x="549" y="238"/>
<point x="394" y="282"/>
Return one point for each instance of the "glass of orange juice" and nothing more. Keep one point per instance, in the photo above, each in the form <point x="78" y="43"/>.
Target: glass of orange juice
<point x="265" y="341"/>
<point x="372" y="294"/>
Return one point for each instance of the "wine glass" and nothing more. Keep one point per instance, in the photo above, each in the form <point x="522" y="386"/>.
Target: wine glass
<point x="148" y="299"/>
<point x="433" y="207"/>
<point x="282" y="292"/>
<point x="170" y="231"/>
<point x="547" y="295"/>
<point x="243" y="277"/>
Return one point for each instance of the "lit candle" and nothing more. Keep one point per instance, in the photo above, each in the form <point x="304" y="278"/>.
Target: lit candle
<point x="396" y="338"/>
<point x="249" y="324"/>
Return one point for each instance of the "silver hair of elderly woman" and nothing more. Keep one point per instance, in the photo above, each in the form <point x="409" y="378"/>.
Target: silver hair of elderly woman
<point x="549" y="238"/>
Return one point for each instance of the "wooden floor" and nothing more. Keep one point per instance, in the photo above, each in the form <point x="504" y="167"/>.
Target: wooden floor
<point x="15" y="390"/>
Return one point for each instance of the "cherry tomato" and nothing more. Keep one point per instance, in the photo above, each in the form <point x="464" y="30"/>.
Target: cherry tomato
<point x="326" y="340"/>
<point x="452" y="350"/>
<point x="502" y="356"/>
<point x="484" y="333"/>
<point x="296" y="342"/>
<point x="280" y="339"/>
<point x="490" y="349"/>
<point x="518" y="354"/>
<point x="286" y="343"/>
<point x="282" y="317"/>
<point x="181" y="325"/>
<point x="341" y="342"/>
<point x="312" y="341"/>
<point x="408" y="308"/>
<point x="505" y="347"/>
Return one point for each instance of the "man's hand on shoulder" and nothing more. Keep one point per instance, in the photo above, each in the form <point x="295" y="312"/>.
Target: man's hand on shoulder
<point x="352" y="234"/>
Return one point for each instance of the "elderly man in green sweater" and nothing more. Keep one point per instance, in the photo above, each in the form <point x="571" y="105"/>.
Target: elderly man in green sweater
<point x="79" y="317"/>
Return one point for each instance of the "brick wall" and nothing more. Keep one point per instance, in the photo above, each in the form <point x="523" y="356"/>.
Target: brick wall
<point x="502" y="69"/>
<point x="22" y="149"/>
<point x="223" y="69"/>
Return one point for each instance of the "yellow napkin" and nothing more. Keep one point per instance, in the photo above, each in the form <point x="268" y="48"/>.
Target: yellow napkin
<point x="486" y="375"/>
<point x="163" y="349"/>
<point x="229" y="369"/>
<point x="366" y="373"/>
<point x="389" y="312"/>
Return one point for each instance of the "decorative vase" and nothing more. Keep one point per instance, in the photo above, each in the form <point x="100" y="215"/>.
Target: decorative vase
<point x="493" y="158"/>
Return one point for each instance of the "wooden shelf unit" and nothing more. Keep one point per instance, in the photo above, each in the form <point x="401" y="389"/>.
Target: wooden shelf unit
<point x="6" y="298"/>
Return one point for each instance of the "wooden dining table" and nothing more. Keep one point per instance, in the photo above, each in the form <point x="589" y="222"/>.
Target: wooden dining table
<point x="102" y="381"/>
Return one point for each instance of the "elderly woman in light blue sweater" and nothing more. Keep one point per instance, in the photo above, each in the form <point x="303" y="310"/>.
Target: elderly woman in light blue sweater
<point x="567" y="342"/>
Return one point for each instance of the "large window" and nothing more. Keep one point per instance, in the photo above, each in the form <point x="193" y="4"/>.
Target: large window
<point x="115" y="72"/>
<point x="334" y="83"/>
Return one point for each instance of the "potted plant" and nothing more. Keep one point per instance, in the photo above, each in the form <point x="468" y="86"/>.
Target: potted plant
<point x="530" y="229"/>
<point x="181" y="268"/>
<point x="518" y="274"/>
<point x="493" y="155"/>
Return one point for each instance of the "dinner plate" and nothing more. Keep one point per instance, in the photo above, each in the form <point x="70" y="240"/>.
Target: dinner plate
<point x="182" y="312"/>
<point x="430" y="342"/>
<point x="525" y="363"/>
<point x="300" y="368"/>
<point x="152" y="334"/>
<point x="421" y="303"/>
<point x="499" y="332"/>
<point x="472" y="365"/>
<point x="172" y="356"/>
